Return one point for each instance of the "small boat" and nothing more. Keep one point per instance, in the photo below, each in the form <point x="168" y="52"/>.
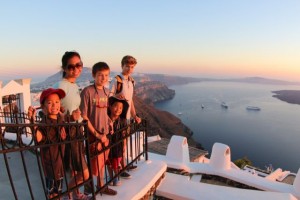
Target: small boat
<point x="224" y="105"/>
<point x="179" y="113"/>
<point x="202" y="106"/>
<point x="253" y="108"/>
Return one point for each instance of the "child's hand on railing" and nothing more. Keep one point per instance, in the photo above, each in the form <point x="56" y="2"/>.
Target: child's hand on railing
<point x="76" y="114"/>
<point x="137" y="119"/>
<point x="62" y="109"/>
<point x="31" y="113"/>
<point x="104" y="139"/>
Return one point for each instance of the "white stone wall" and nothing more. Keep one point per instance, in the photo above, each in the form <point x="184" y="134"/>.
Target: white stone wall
<point x="18" y="86"/>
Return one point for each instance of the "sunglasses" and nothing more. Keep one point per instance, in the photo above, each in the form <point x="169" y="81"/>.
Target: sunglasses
<point x="73" y="66"/>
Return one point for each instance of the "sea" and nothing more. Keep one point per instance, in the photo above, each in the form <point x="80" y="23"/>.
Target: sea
<point x="270" y="136"/>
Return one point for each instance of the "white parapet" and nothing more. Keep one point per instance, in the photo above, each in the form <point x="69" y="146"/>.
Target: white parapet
<point x="178" y="149"/>
<point x="176" y="186"/>
<point x="296" y="184"/>
<point x="220" y="156"/>
<point x="18" y="86"/>
<point x="220" y="165"/>
<point x="275" y="174"/>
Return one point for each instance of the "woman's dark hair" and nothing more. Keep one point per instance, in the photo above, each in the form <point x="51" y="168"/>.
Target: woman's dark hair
<point x="65" y="59"/>
<point x="99" y="67"/>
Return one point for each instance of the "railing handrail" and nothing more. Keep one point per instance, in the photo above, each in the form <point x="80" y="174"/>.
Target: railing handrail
<point x="19" y="146"/>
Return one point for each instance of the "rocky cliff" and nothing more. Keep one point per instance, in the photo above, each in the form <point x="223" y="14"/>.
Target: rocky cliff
<point x="153" y="91"/>
<point x="289" y="96"/>
<point x="160" y="122"/>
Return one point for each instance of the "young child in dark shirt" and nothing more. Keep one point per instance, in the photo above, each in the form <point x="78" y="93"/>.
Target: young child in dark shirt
<point x="52" y="156"/>
<point x="117" y="119"/>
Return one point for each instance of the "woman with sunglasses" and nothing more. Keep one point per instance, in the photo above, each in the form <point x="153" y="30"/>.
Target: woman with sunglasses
<point x="71" y="69"/>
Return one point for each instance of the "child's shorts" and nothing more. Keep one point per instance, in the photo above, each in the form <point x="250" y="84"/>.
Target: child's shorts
<point x="115" y="162"/>
<point x="54" y="186"/>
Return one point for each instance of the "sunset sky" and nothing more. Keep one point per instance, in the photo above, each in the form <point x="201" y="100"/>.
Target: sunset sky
<point x="214" y="38"/>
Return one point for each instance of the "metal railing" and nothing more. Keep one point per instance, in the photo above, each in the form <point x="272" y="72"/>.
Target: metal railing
<point x="22" y="158"/>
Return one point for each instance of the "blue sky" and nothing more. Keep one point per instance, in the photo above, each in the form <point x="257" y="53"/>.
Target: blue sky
<point x="189" y="38"/>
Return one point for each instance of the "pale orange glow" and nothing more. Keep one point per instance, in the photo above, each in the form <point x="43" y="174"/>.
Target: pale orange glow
<point x="229" y="65"/>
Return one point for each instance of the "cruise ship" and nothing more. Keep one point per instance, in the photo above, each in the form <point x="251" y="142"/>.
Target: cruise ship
<point x="255" y="108"/>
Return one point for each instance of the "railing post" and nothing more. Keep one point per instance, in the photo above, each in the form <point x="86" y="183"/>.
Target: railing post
<point x="146" y="139"/>
<point x="88" y="157"/>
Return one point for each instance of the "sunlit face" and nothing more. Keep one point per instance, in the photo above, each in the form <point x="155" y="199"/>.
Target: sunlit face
<point x="101" y="77"/>
<point x="127" y="69"/>
<point x="51" y="106"/>
<point x="116" y="109"/>
<point x="73" y="68"/>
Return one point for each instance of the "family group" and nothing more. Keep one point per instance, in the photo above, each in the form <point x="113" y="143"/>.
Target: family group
<point x="106" y="110"/>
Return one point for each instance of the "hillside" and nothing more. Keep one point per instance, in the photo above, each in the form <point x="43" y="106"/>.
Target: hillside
<point x="289" y="96"/>
<point x="160" y="122"/>
<point x="153" y="91"/>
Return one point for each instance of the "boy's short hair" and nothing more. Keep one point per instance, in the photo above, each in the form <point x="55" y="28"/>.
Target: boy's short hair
<point x="128" y="60"/>
<point x="50" y="91"/>
<point x="100" y="66"/>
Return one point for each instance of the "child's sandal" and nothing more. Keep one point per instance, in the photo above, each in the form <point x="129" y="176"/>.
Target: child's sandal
<point x="108" y="191"/>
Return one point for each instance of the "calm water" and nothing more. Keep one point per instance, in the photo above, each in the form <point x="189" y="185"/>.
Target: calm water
<point x="268" y="136"/>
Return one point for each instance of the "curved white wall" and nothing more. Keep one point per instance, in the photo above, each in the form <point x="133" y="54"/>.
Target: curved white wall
<point x="220" y="156"/>
<point x="178" y="149"/>
<point x="296" y="184"/>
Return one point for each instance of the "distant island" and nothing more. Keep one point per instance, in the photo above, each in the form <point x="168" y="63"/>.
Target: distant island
<point x="289" y="96"/>
<point x="169" y="80"/>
